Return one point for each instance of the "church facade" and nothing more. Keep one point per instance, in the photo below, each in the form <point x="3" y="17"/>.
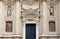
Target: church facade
<point x="29" y="19"/>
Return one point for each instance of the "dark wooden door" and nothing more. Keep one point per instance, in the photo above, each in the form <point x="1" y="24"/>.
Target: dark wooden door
<point x="30" y="31"/>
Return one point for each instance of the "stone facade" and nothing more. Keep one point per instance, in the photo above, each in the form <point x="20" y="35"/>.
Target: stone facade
<point x="21" y="12"/>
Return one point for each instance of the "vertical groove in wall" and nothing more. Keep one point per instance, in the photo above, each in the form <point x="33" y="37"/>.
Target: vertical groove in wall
<point x="58" y="17"/>
<point x="15" y="18"/>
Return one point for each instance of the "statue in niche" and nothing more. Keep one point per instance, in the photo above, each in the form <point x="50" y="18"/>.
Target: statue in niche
<point x="52" y="11"/>
<point x="9" y="11"/>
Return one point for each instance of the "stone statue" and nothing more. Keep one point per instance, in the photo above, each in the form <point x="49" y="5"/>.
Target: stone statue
<point x="51" y="10"/>
<point x="9" y="11"/>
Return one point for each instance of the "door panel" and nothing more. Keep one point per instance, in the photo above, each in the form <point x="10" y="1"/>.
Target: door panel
<point x="30" y="31"/>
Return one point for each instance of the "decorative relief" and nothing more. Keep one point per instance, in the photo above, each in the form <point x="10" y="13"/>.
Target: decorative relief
<point x="30" y="2"/>
<point x="30" y="10"/>
<point x="34" y="6"/>
<point x="52" y="2"/>
<point x="30" y="14"/>
<point x="8" y="2"/>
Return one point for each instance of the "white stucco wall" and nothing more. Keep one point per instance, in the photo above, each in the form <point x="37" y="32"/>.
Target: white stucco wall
<point x="18" y="23"/>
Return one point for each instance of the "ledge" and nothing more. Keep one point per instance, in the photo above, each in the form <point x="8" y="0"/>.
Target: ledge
<point x="49" y="35"/>
<point x="11" y="35"/>
<point x="21" y="36"/>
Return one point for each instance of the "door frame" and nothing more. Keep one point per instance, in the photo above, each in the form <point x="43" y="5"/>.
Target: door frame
<point x="24" y="29"/>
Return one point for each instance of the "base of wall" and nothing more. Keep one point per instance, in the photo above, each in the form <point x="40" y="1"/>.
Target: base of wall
<point x="21" y="38"/>
<point x="40" y="37"/>
<point x="49" y="37"/>
<point x="10" y="38"/>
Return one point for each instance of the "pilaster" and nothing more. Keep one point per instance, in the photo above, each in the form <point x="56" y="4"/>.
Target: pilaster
<point x="17" y="18"/>
<point x="45" y="9"/>
<point x="1" y="17"/>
